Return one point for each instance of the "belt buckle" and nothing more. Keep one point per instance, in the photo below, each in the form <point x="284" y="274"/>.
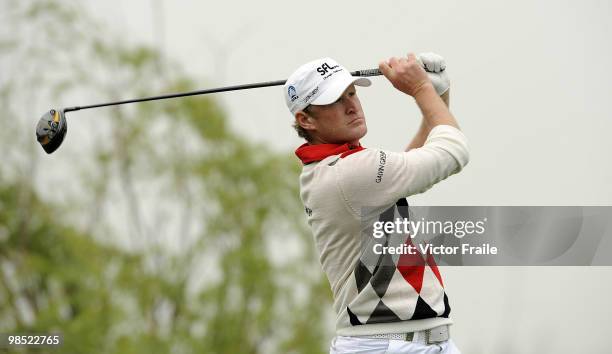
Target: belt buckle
<point x="437" y="335"/>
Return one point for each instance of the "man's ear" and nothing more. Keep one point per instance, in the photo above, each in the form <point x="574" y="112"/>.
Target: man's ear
<point x="305" y="120"/>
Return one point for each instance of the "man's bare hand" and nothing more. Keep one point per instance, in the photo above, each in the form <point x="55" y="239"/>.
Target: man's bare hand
<point x="406" y="74"/>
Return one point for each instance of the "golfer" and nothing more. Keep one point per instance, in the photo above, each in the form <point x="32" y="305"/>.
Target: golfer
<point x="385" y="304"/>
<point x="382" y="306"/>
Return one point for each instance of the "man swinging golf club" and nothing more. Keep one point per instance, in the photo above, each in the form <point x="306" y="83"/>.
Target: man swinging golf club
<point x="389" y="304"/>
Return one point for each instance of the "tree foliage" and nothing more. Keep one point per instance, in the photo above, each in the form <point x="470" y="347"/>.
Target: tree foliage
<point x="157" y="229"/>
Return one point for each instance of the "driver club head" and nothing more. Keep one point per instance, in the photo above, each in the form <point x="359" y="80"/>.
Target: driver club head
<point x="51" y="129"/>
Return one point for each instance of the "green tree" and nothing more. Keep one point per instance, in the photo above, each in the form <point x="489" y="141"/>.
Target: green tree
<point x="157" y="229"/>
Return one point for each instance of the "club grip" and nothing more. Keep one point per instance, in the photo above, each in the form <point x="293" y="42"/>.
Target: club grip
<point x="376" y="72"/>
<point x="367" y="72"/>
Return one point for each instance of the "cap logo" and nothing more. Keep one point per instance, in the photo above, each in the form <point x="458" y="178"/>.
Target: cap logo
<point x="292" y="93"/>
<point x="311" y="94"/>
<point x="323" y="69"/>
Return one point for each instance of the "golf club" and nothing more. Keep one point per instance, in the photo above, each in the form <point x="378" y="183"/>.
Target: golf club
<point x="52" y="126"/>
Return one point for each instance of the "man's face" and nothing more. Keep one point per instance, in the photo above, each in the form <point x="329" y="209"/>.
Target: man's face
<point x="338" y="123"/>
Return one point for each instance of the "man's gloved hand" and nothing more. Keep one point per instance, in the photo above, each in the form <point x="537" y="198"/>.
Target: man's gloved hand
<point x="435" y="66"/>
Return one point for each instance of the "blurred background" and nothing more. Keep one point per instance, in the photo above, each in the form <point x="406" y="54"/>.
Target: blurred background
<point x="176" y="226"/>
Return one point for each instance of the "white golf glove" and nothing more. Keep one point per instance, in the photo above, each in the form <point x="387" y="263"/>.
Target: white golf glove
<point x="435" y="66"/>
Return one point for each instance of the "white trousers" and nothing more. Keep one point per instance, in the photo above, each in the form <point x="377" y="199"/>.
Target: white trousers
<point x="354" y="345"/>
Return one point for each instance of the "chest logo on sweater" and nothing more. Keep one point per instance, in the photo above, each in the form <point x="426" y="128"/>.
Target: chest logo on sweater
<point x="381" y="166"/>
<point x="308" y="211"/>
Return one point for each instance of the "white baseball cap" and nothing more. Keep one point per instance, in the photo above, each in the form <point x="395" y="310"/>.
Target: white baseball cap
<point x="318" y="82"/>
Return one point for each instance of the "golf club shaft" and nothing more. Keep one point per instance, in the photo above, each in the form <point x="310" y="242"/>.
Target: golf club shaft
<point x="368" y="72"/>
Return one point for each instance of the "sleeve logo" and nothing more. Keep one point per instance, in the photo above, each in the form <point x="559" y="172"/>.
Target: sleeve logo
<point x="381" y="167"/>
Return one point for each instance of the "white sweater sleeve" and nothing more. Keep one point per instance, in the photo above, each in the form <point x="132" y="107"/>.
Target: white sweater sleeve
<point x="377" y="178"/>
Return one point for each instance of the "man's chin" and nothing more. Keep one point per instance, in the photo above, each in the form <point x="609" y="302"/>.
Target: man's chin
<point x="354" y="139"/>
<point x="363" y="130"/>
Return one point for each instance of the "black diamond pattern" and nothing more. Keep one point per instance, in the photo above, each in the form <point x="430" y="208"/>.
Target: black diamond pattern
<point x="382" y="314"/>
<point x="383" y="274"/>
<point x="447" y="308"/>
<point x="423" y="310"/>
<point x="362" y="276"/>
<point x="381" y="277"/>
<point x="354" y="320"/>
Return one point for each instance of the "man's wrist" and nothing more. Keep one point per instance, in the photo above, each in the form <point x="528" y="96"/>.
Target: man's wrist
<point x="424" y="90"/>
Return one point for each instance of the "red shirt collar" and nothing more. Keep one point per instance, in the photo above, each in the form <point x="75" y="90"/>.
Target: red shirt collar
<point x="313" y="153"/>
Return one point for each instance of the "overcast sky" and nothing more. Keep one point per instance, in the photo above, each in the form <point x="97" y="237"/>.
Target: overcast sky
<point x="530" y="80"/>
